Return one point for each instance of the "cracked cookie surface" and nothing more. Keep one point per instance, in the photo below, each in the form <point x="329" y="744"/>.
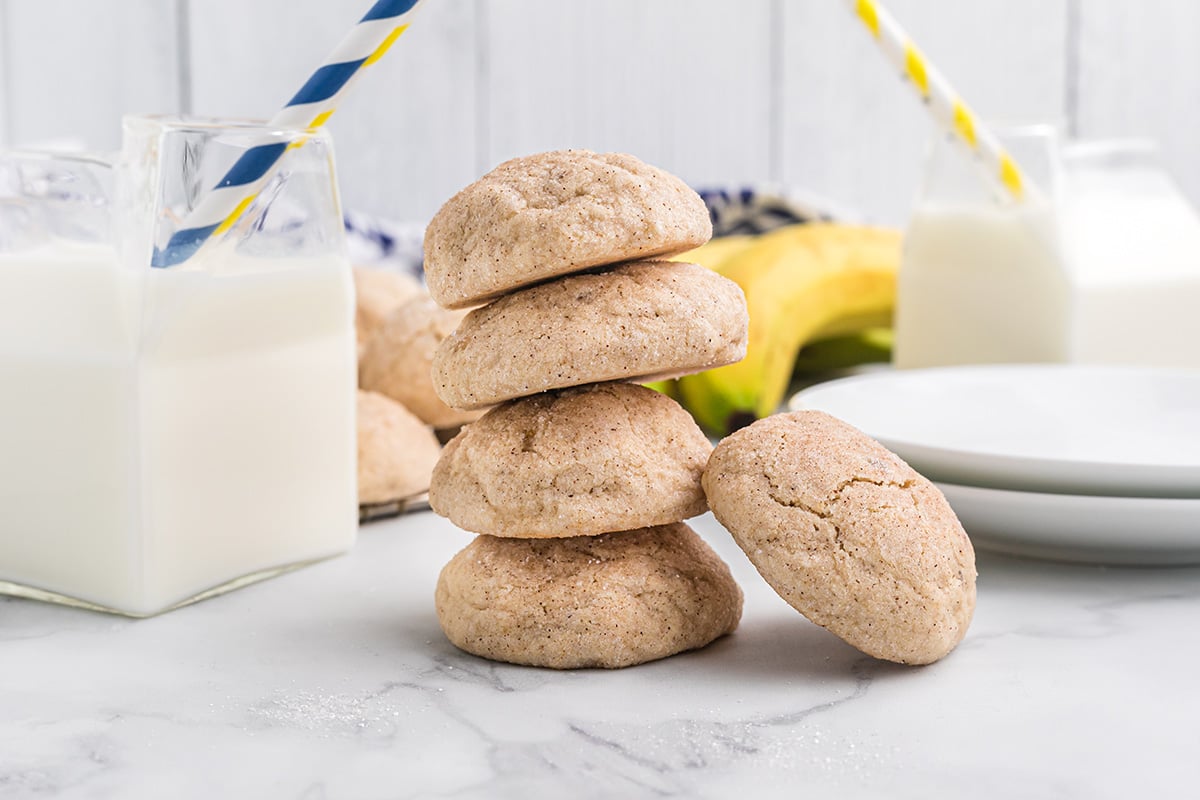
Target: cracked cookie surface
<point x="598" y="601"/>
<point x="847" y="533"/>
<point x="555" y="213"/>
<point x="576" y="462"/>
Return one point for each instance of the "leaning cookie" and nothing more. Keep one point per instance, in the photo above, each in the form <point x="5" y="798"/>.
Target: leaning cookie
<point x="397" y="360"/>
<point x="574" y="463"/>
<point x="396" y="451"/>
<point x="551" y="214"/>
<point x="591" y="601"/>
<point x="847" y="533"/>
<point x="643" y="320"/>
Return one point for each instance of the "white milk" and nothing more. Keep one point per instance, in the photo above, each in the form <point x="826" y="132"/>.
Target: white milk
<point x="1108" y="273"/>
<point x="1133" y="251"/>
<point x="166" y="432"/>
<point x="981" y="286"/>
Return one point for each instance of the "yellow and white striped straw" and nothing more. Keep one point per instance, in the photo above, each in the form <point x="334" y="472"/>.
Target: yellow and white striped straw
<point x="309" y="109"/>
<point x="939" y="97"/>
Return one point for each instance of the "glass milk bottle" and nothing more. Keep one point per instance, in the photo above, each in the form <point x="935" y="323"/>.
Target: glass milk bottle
<point x="170" y="433"/>
<point x="1133" y="247"/>
<point x="983" y="278"/>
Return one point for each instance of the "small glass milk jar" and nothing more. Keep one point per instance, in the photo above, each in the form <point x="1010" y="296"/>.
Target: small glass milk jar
<point x="1098" y="264"/>
<point x="984" y="279"/>
<point x="171" y="433"/>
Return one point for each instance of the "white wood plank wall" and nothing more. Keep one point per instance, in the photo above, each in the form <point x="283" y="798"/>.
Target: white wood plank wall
<point x="783" y="92"/>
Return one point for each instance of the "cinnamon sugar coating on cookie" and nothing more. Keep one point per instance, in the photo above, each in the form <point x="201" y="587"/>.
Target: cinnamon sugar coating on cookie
<point x="396" y="451"/>
<point x="847" y="533"/>
<point x="396" y="361"/>
<point x="639" y="321"/>
<point x="378" y="292"/>
<point x="590" y="601"/>
<point x="555" y="213"/>
<point x="574" y="463"/>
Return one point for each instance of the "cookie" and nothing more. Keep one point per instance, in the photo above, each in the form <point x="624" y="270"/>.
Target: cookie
<point x="552" y="214"/>
<point x="574" y="463"/>
<point x="847" y="533"/>
<point x="639" y="321"/>
<point x="396" y="451"/>
<point x="377" y="293"/>
<point x="397" y="360"/>
<point x="594" y="601"/>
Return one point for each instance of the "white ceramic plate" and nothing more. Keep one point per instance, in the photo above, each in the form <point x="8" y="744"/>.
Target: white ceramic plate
<point x="1121" y="431"/>
<point x="1099" y="530"/>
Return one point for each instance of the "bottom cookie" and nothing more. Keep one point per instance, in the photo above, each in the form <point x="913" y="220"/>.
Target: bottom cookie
<point x="609" y="601"/>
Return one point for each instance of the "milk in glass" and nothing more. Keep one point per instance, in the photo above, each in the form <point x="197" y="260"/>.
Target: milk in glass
<point x="1099" y="264"/>
<point x="1132" y="245"/>
<point x="982" y="279"/>
<point x="170" y="433"/>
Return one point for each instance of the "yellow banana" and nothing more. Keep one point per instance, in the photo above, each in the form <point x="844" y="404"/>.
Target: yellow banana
<point x="868" y="346"/>
<point x="715" y="252"/>
<point x="666" y="387"/>
<point x="711" y="254"/>
<point x="801" y="282"/>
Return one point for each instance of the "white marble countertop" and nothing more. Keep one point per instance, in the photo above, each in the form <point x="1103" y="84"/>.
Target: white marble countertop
<point x="335" y="682"/>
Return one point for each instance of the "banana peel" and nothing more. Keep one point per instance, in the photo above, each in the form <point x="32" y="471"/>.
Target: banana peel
<point x="870" y="346"/>
<point x="802" y="283"/>
<point x="666" y="387"/>
<point x="716" y="253"/>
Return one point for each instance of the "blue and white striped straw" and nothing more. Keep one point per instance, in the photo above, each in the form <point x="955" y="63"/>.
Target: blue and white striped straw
<point x="312" y="106"/>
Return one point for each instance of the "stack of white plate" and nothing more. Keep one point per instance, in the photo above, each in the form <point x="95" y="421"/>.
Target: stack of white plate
<point x="1077" y="463"/>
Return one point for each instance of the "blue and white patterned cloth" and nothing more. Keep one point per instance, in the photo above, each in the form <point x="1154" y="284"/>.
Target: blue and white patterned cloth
<point x="397" y="245"/>
<point x="373" y="242"/>
<point x="751" y="211"/>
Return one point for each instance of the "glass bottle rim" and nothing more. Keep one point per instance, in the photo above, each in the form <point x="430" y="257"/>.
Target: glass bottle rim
<point x="188" y="123"/>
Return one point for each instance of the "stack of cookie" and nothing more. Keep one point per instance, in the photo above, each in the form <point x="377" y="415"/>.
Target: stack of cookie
<point x="578" y="479"/>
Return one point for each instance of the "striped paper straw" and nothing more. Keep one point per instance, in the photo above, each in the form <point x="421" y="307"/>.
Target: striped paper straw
<point x="940" y="98"/>
<point x="311" y="108"/>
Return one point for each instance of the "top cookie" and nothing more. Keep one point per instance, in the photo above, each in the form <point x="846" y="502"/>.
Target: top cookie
<point x="552" y="214"/>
